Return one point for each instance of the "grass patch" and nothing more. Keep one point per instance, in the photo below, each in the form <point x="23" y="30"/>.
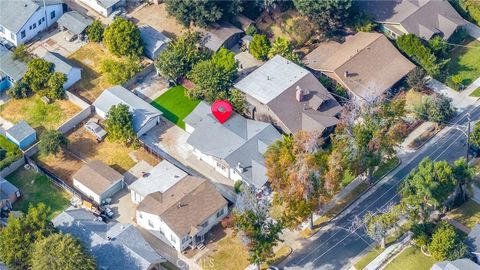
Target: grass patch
<point x="230" y="253"/>
<point x="465" y="61"/>
<point x="475" y="93"/>
<point x="39" y="115"/>
<point x="11" y="154"/>
<point x="385" y="168"/>
<point x="37" y="188"/>
<point x="468" y="214"/>
<point x="411" y="258"/>
<point x="175" y="105"/>
<point x="280" y="255"/>
<point x="368" y="258"/>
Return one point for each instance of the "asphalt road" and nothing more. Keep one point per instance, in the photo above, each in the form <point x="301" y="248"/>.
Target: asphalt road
<point x="335" y="248"/>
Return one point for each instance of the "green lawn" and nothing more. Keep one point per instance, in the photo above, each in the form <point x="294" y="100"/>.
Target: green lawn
<point x="175" y="105"/>
<point x="411" y="258"/>
<point x="468" y="214"/>
<point x="369" y="257"/>
<point x="36" y="188"/>
<point x="465" y="61"/>
<point x="476" y="92"/>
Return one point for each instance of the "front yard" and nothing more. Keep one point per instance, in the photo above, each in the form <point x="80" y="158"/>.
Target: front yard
<point x="175" y="105"/>
<point x="35" y="112"/>
<point x="37" y="188"/>
<point x="411" y="258"/>
<point x="468" y="214"/>
<point x="465" y="61"/>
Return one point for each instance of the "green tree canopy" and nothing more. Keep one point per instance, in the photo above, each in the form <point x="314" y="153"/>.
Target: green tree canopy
<point x="446" y="244"/>
<point x="329" y="15"/>
<point x="122" y="38"/>
<point x="51" y="142"/>
<point x="259" y="47"/>
<point x="37" y="74"/>
<point x="202" y="12"/>
<point x="412" y="46"/>
<point x="225" y="59"/>
<point x="21" y="53"/>
<point x="119" y="124"/>
<point x="95" y="31"/>
<point x="54" y="88"/>
<point x="282" y="47"/>
<point x="60" y="252"/>
<point x="119" y="72"/>
<point x="19" y="90"/>
<point x="437" y="108"/>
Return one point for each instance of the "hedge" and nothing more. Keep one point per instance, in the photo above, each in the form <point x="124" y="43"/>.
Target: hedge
<point x="13" y="152"/>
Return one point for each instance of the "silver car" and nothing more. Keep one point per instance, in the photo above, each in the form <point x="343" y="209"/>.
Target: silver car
<point x="95" y="129"/>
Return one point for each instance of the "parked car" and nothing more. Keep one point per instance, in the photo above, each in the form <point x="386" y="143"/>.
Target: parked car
<point x="95" y="129"/>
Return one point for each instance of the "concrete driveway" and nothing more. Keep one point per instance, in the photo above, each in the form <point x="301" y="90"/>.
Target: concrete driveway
<point x="54" y="41"/>
<point x="153" y="86"/>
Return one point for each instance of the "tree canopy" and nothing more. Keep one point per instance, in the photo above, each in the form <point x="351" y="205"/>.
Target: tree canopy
<point x="282" y="47"/>
<point x="119" y="124"/>
<point x="259" y="47"/>
<point x="446" y="244"/>
<point x="412" y="46"/>
<point x="51" y="142"/>
<point x="95" y="31"/>
<point x="202" y="12"/>
<point x="54" y="88"/>
<point x="437" y="108"/>
<point x="328" y="15"/>
<point x="37" y="74"/>
<point x="122" y="38"/>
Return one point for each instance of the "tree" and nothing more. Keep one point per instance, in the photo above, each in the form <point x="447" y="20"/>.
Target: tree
<point x="225" y="59"/>
<point x="122" y="38"/>
<point x="446" y="244"/>
<point x="412" y="46"/>
<point x="438" y="45"/>
<point x="259" y="47"/>
<point x="17" y="238"/>
<point x="202" y="12"/>
<point x="282" y="47"/>
<point x="437" y="108"/>
<point x="427" y="188"/>
<point x="378" y="224"/>
<point x="51" y="142"/>
<point x="119" y="72"/>
<point x="252" y="221"/>
<point x="95" y="31"/>
<point x="416" y="79"/>
<point x="329" y="15"/>
<point x="21" y="53"/>
<point x="463" y="173"/>
<point x="60" y="251"/>
<point x="19" y="90"/>
<point x="37" y="74"/>
<point x="475" y="136"/>
<point x="119" y="124"/>
<point x="54" y="88"/>
<point x="237" y="99"/>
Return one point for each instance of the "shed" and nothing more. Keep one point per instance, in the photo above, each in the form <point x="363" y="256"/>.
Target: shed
<point x="65" y="66"/>
<point x="22" y="134"/>
<point x="8" y="191"/>
<point x="154" y="42"/>
<point x="74" y="22"/>
<point x="221" y="35"/>
<point x="11" y="70"/>
<point x="98" y="181"/>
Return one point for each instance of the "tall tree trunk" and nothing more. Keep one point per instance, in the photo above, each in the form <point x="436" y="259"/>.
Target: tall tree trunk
<point x="310" y="221"/>
<point x="382" y="243"/>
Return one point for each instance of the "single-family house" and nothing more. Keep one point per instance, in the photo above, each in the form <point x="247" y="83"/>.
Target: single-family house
<point x="144" y="115"/>
<point x="8" y="191"/>
<point x="11" y="70"/>
<point x="220" y="35"/>
<point x="104" y="7"/>
<point x="113" y="245"/>
<point x="21" y="134"/>
<point x="74" y="23"/>
<point x="235" y="148"/>
<point x="279" y="84"/>
<point x="424" y="18"/>
<point x="98" y="181"/>
<point x="366" y="64"/>
<point x="154" y="42"/>
<point x="460" y="264"/>
<point x="22" y="20"/>
<point x="184" y="213"/>
<point x="65" y="66"/>
<point x="159" y="179"/>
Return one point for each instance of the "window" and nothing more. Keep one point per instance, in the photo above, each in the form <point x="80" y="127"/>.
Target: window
<point x="220" y="213"/>
<point x="22" y="34"/>
<point x="173" y="238"/>
<point x="34" y="25"/>
<point x="43" y="19"/>
<point x="52" y="14"/>
<point x="30" y="27"/>
<point x="39" y="21"/>
<point x="150" y="223"/>
<point x="2" y="29"/>
<point x="140" y="215"/>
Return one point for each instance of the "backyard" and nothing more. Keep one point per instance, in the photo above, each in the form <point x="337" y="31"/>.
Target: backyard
<point x="37" y="188"/>
<point x="411" y="258"/>
<point x="35" y="112"/>
<point x="465" y="62"/>
<point x="175" y="105"/>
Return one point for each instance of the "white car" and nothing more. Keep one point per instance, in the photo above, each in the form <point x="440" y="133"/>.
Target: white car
<point x="95" y="129"/>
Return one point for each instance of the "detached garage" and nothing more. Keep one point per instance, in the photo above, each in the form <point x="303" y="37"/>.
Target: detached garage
<point x="98" y="181"/>
<point x="144" y="115"/>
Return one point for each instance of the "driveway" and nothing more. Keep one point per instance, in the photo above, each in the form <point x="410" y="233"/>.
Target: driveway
<point x="153" y="86"/>
<point x="54" y="41"/>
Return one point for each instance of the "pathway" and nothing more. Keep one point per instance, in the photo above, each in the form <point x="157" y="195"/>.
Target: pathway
<point x="421" y="129"/>
<point x="460" y="99"/>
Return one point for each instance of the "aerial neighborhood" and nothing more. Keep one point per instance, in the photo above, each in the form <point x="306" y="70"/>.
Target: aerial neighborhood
<point x="265" y="134"/>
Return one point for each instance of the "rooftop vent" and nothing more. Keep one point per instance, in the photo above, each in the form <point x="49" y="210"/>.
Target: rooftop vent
<point x="299" y="94"/>
<point x="240" y="168"/>
<point x="346" y="74"/>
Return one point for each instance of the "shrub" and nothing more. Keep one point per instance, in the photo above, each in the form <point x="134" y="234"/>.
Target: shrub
<point x="19" y="90"/>
<point x="437" y="108"/>
<point x="259" y="47"/>
<point x="251" y="30"/>
<point x="446" y="244"/>
<point x="21" y="53"/>
<point x="12" y="152"/>
<point x="238" y="186"/>
<point x="51" y="142"/>
<point x="120" y="72"/>
<point x="95" y="31"/>
<point x="412" y="46"/>
<point x="416" y="79"/>
<point x="54" y="88"/>
<point x="37" y="74"/>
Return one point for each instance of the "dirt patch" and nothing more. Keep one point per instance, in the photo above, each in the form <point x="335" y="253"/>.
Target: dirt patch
<point x="64" y="165"/>
<point x="157" y="17"/>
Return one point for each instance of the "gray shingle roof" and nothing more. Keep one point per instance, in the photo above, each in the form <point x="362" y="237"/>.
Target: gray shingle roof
<point x="12" y="68"/>
<point x="107" y="3"/>
<point x="153" y="40"/>
<point x="74" y="22"/>
<point x="142" y="112"/>
<point x="235" y="142"/>
<point x="217" y="34"/>
<point x="6" y="189"/>
<point x="60" y="63"/>
<point x="20" y="130"/>
<point x="460" y="264"/>
<point x="126" y="250"/>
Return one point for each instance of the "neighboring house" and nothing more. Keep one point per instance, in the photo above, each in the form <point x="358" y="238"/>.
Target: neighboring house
<point x="11" y="71"/>
<point x="460" y="264"/>
<point x="113" y="245"/>
<point x="8" y="191"/>
<point x="74" y="22"/>
<point x="280" y="84"/>
<point x="367" y="64"/>
<point x="235" y="149"/>
<point x="104" y="7"/>
<point x="221" y="35"/>
<point x="65" y="66"/>
<point x="184" y="213"/>
<point x="424" y="18"/>
<point x="144" y="115"/>
<point x="154" y="42"/>
<point x="22" y="134"/>
<point x="159" y="179"/>
<point x="473" y="241"/>
<point x="22" y="20"/>
<point x="98" y="181"/>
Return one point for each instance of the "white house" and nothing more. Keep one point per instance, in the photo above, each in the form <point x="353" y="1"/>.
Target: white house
<point x="184" y="213"/>
<point x="144" y="115"/>
<point x="22" y="20"/>
<point x="65" y="66"/>
<point x="104" y="7"/>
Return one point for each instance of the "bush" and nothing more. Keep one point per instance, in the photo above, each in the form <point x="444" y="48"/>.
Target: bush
<point x="37" y="74"/>
<point x="238" y="186"/>
<point x="19" y="90"/>
<point x="416" y="79"/>
<point x="446" y="244"/>
<point x="251" y="30"/>
<point x="12" y="152"/>
<point x="259" y="47"/>
<point x="437" y="108"/>
<point x="54" y="88"/>
<point x="122" y="38"/>
<point x="95" y="31"/>
<point x="21" y="53"/>
<point x="51" y="142"/>
<point x="120" y="72"/>
<point x="412" y="46"/>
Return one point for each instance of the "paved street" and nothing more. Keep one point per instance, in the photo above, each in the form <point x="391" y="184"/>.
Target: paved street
<point x="336" y="247"/>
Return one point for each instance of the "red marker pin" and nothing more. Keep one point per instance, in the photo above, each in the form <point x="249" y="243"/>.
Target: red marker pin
<point x="222" y="110"/>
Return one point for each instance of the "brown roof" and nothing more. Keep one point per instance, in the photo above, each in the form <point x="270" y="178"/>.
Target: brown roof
<point x="97" y="176"/>
<point x="185" y="205"/>
<point x="372" y="63"/>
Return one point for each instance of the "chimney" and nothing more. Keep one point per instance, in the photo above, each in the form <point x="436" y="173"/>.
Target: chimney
<point x="240" y="168"/>
<point x="179" y="205"/>
<point x="299" y="94"/>
<point x="346" y="74"/>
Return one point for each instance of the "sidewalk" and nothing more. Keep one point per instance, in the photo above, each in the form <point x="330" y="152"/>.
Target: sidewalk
<point x="417" y="132"/>
<point x="460" y="99"/>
